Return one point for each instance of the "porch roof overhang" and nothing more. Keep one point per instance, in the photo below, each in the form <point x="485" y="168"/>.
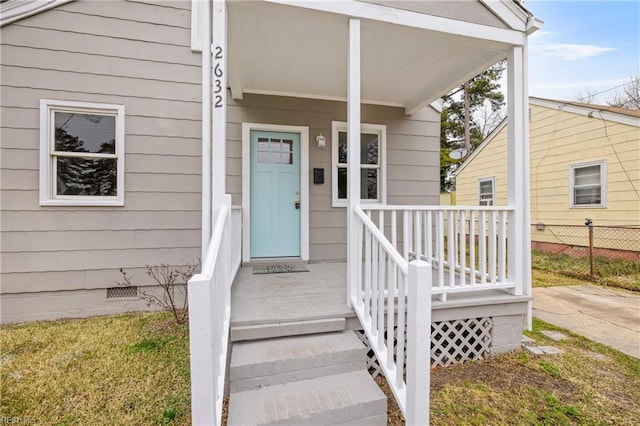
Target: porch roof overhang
<point x="409" y="59"/>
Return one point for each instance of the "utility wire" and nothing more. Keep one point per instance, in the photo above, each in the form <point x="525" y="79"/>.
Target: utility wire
<point x="606" y="133"/>
<point x="613" y="88"/>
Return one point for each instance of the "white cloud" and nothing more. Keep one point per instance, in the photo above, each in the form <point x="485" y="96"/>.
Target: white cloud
<point x="570" y="52"/>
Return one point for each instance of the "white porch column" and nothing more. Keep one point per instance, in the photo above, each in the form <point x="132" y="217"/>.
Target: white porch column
<point x="519" y="239"/>
<point x="219" y="106"/>
<point x="353" y="153"/>
<point x="205" y="16"/>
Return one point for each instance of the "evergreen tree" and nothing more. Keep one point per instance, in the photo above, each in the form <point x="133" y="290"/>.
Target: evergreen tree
<point x="482" y="91"/>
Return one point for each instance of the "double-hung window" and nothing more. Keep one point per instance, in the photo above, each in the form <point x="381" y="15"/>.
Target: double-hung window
<point x="372" y="163"/>
<point x="486" y="191"/>
<point x="588" y="184"/>
<point x="81" y="154"/>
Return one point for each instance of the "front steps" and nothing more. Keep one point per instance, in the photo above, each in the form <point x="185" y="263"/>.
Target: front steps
<point x="318" y="379"/>
<point x="290" y="328"/>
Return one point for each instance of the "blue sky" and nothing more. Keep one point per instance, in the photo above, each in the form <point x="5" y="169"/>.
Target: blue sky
<point x="583" y="46"/>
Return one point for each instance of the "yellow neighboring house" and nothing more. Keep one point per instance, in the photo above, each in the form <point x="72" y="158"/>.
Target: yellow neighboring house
<point x="584" y="159"/>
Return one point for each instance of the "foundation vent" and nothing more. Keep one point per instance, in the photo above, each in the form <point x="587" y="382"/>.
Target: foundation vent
<point x="130" y="292"/>
<point x="451" y="342"/>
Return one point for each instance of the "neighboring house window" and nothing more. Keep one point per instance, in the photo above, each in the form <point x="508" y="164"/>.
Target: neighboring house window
<point x="588" y="184"/>
<point x="487" y="191"/>
<point x="372" y="163"/>
<point x="81" y="154"/>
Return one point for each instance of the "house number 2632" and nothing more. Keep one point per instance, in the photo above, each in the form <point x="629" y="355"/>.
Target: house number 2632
<point x="217" y="71"/>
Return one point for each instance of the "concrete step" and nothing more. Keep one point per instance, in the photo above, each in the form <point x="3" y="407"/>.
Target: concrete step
<point x="275" y="361"/>
<point x="294" y="328"/>
<point x="348" y="398"/>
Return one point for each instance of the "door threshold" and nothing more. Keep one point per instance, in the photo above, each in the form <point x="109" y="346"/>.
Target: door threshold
<point x="263" y="261"/>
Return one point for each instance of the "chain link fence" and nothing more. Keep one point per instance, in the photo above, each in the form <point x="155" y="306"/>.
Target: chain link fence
<point x="608" y="254"/>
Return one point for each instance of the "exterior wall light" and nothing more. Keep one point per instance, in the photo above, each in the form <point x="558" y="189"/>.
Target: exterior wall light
<point x="321" y="141"/>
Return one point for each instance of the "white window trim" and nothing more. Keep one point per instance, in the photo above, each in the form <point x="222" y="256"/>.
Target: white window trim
<point x="341" y="126"/>
<point x="47" y="130"/>
<point x="603" y="184"/>
<point x="491" y="179"/>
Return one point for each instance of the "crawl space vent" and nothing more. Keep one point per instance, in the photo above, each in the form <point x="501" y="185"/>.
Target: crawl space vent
<point x="122" y="292"/>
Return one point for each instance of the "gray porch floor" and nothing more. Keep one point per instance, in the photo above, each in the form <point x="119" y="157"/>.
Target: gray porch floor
<point x="320" y="293"/>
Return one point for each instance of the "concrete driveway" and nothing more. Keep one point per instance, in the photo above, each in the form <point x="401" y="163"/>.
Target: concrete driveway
<point x="610" y="317"/>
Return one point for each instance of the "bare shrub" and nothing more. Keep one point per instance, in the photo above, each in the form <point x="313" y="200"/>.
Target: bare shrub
<point x="173" y="282"/>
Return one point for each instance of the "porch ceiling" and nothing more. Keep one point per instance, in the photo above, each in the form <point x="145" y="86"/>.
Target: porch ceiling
<point x="285" y="50"/>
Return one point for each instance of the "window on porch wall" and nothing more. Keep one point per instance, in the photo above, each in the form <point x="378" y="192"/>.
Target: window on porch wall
<point x="372" y="164"/>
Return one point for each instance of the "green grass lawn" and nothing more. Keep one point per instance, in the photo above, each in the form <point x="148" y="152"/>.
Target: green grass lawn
<point x="588" y="384"/>
<point x="134" y="370"/>
<point x="563" y="268"/>
<point x="126" y="369"/>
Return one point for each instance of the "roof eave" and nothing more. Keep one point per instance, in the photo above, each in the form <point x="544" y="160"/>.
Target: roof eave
<point x="13" y="10"/>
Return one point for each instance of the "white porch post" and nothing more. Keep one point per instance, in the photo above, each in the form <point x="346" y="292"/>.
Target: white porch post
<point x="205" y="17"/>
<point x="353" y="154"/>
<point x="518" y="171"/>
<point x="526" y="237"/>
<point x="219" y="106"/>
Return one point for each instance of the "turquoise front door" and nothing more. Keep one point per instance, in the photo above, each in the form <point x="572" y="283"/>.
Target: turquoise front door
<point x="275" y="194"/>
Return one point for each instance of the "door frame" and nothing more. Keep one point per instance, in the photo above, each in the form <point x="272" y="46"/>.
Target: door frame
<point x="303" y="131"/>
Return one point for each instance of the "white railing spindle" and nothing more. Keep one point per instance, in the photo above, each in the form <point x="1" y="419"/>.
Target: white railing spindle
<point x="443" y="296"/>
<point x="463" y="249"/>
<point x="483" y="247"/>
<point x="492" y="247"/>
<point x="502" y="243"/>
<point x="451" y="249"/>
<point x="472" y="247"/>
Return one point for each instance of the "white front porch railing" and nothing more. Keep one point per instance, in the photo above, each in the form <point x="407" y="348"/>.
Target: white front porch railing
<point x="408" y="253"/>
<point x="210" y="313"/>
<point x="467" y="245"/>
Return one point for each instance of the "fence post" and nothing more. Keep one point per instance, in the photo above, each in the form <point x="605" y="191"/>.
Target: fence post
<point x="589" y="224"/>
<point x="418" y="343"/>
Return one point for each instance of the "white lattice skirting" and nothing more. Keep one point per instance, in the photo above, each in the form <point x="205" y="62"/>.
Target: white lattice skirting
<point x="451" y="342"/>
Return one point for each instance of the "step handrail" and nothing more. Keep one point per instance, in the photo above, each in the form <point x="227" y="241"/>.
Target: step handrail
<point x="209" y="295"/>
<point x="384" y="278"/>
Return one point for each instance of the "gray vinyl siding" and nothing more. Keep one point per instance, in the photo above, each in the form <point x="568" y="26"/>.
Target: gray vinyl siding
<point x="412" y="158"/>
<point x="138" y="54"/>
<point x="132" y="53"/>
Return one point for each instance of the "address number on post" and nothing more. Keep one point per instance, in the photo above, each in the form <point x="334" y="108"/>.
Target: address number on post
<point x="218" y="73"/>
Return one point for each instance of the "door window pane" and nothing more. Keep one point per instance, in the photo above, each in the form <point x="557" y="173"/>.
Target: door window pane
<point x="275" y="151"/>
